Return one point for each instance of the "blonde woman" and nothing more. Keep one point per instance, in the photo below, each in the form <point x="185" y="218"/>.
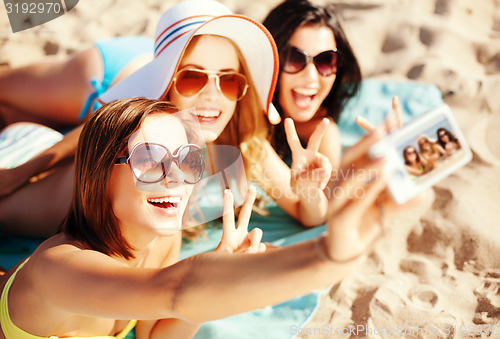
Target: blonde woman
<point x="430" y="152"/>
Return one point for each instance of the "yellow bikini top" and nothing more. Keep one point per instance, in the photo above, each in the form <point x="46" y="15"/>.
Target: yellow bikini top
<point x="11" y="331"/>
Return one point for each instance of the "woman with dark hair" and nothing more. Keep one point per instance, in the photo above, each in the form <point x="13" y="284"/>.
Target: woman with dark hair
<point x="136" y="165"/>
<point x="447" y="141"/>
<point x="115" y="263"/>
<point x="319" y="72"/>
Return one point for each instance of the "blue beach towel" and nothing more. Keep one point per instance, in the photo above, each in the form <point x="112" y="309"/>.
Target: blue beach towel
<point x="373" y="102"/>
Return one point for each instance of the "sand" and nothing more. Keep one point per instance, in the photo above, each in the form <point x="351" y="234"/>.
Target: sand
<point x="435" y="273"/>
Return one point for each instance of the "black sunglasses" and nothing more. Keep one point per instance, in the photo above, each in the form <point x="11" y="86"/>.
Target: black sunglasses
<point x="296" y="60"/>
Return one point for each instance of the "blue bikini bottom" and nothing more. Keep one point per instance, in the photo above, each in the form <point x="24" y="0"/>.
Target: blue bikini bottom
<point x="116" y="54"/>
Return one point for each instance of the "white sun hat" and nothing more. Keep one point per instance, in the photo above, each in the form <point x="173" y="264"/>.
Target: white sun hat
<point x="174" y="31"/>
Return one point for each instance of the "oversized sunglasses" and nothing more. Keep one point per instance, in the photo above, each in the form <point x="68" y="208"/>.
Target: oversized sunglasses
<point x="189" y="82"/>
<point x="296" y="60"/>
<point x="151" y="162"/>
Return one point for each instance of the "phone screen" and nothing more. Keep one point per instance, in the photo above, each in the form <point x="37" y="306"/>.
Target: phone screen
<point x="423" y="152"/>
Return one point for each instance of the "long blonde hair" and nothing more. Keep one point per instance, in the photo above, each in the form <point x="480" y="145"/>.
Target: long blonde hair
<point x="248" y="129"/>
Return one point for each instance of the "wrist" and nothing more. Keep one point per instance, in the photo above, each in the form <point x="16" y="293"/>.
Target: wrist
<point x="311" y="195"/>
<point x="17" y="174"/>
<point x="23" y="173"/>
<point x="322" y="250"/>
<point x="313" y="208"/>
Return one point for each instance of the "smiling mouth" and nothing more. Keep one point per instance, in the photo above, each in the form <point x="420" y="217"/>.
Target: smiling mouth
<point x="207" y="115"/>
<point x="165" y="202"/>
<point x="303" y="97"/>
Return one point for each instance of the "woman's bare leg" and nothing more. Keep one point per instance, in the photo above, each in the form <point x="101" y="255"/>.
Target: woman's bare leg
<point x="50" y="92"/>
<point x="38" y="208"/>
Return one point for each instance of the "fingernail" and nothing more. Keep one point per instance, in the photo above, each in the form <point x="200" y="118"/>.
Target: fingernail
<point x="227" y="190"/>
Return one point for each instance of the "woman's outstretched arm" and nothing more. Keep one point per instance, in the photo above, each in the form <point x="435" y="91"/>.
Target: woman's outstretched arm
<point x="198" y="289"/>
<point x="215" y="285"/>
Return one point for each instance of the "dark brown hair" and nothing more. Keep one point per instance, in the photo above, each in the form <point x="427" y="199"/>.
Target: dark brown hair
<point x="91" y="220"/>
<point x="450" y="136"/>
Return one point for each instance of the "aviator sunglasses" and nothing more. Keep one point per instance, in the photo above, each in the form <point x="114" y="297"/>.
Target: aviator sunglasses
<point x="325" y="62"/>
<point x="189" y="82"/>
<point x="151" y="162"/>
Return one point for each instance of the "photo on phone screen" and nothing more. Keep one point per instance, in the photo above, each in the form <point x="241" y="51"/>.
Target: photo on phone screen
<point x="423" y="152"/>
<point x="431" y="152"/>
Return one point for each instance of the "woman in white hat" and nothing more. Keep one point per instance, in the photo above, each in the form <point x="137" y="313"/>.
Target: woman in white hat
<point x="224" y="65"/>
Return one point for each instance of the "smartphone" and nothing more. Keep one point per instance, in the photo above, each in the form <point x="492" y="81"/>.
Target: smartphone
<point x="422" y="152"/>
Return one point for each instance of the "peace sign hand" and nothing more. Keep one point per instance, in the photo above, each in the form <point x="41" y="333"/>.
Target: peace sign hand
<point x="310" y="169"/>
<point x="237" y="238"/>
<point x="393" y="120"/>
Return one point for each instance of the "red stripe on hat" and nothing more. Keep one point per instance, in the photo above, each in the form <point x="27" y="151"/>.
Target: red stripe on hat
<point x="168" y="44"/>
<point x="178" y="22"/>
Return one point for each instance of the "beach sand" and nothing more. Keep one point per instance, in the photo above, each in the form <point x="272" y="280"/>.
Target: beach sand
<point x="436" y="270"/>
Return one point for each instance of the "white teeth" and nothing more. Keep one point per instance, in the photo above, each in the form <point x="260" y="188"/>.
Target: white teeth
<point x="207" y="113"/>
<point x="306" y="91"/>
<point x="172" y="200"/>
